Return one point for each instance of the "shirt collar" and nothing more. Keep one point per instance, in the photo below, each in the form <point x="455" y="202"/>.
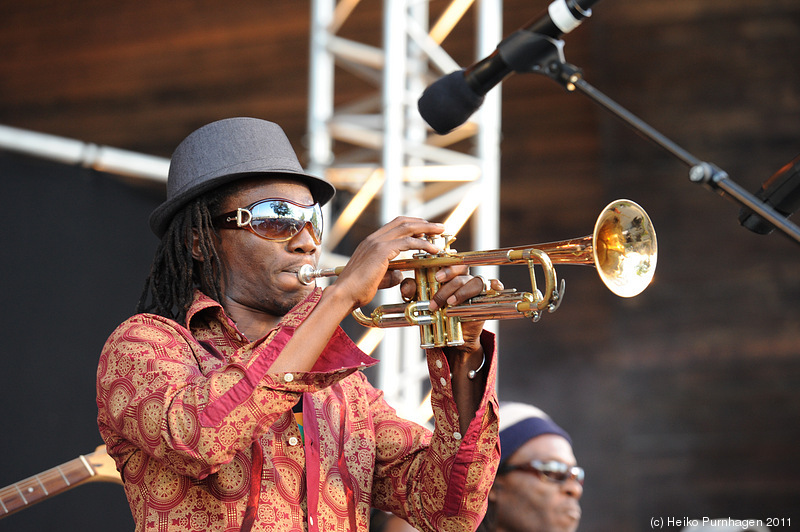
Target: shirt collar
<point x="341" y="351"/>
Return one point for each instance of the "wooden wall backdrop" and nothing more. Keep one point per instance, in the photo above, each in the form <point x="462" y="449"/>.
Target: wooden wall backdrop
<point x="683" y="402"/>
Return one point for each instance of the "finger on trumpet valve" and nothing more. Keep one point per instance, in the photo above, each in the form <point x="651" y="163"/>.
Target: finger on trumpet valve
<point x="441" y="241"/>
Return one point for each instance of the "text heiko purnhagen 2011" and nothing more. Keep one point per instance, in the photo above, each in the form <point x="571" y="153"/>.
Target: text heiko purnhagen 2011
<point x="681" y="522"/>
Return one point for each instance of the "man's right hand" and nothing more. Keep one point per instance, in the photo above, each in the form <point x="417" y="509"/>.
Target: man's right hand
<point x="366" y="271"/>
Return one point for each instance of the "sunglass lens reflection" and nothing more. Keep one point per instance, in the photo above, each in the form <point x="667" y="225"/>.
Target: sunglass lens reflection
<point x="277" y="228"/>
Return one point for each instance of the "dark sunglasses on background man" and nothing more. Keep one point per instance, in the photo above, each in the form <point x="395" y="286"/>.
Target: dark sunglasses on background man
<point x="551" y="470"/>
<point x="274" y="219"/>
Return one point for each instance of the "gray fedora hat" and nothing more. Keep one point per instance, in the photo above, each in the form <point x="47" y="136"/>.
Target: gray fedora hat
<point x="227" y="150"/>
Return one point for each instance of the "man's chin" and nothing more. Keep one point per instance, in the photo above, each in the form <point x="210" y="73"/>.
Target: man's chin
<point x="568" y="519"/>
<point x="295" y="298"/>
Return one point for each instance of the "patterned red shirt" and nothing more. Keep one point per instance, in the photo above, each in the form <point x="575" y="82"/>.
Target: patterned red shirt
<point x="204" y="434"/>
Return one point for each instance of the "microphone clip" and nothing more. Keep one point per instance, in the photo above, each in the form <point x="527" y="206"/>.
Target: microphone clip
<point x="528" y="52"/>
<point x="525" y="51"/>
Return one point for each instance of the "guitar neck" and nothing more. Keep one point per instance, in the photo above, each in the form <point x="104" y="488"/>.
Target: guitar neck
<point x="46" y="484"/>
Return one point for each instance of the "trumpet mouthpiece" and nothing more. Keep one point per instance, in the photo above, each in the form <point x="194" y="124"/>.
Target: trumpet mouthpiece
<point x="306" y="274"/>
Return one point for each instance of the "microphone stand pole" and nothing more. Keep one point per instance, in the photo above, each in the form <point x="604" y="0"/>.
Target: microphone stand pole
<point x="553" y="65"/>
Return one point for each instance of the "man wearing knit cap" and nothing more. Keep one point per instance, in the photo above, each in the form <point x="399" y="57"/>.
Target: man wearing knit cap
<point x="234" y="401"/>
<point x="538" y="485"/>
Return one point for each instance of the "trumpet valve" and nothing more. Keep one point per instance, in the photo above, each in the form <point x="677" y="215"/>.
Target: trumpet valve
<point x="441" y="241"/>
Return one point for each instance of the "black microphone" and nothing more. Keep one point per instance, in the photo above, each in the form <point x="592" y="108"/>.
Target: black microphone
<point x="781" y="192"/>
<point x="450" y="101"/>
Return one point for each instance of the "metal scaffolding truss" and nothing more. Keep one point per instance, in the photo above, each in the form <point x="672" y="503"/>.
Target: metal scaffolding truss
<point x="379" y="152"/>
<point x="375" y="148"/>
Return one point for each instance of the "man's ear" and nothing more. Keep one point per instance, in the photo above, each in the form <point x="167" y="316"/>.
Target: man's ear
<point x="196" y="253"/>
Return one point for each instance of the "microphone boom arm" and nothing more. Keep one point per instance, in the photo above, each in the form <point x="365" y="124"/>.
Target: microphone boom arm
<point x="570" y="77"/>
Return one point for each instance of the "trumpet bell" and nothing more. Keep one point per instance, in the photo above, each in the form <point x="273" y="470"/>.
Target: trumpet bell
<point x="625" y="248"/>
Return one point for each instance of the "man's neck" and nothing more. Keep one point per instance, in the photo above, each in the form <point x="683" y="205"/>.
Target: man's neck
<point x="251" y="323"/>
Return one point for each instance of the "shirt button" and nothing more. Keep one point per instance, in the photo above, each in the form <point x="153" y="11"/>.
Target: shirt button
<point x="456" y="435"/>
<point x="438" y="363"/>
<point x="310" y="520"/>
<point x="288" y="377"/>
<point x="293" y="441"/>
<point x="443" y="381"/>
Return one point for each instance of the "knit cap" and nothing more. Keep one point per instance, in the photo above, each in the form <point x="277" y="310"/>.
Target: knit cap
<point x="519" y="423"/>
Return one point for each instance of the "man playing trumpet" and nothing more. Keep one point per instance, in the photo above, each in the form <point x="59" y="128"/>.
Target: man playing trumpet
<point x="233" y="400"/>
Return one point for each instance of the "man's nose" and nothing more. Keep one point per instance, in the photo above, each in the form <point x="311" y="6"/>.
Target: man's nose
<point x="305" y="241"/>
<point x="573" y="488"/>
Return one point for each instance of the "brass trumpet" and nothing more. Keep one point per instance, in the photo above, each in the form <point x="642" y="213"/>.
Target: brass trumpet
<point x="622" y="248"/>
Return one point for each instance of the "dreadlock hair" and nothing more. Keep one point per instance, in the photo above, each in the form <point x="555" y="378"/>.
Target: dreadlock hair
<point x="174" y="274"/>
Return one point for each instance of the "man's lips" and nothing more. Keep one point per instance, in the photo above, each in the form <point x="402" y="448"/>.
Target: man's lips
<point x="573" y="511"/>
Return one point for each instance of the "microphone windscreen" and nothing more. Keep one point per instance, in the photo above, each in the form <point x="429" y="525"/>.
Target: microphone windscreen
<point x="448" y="102"/>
